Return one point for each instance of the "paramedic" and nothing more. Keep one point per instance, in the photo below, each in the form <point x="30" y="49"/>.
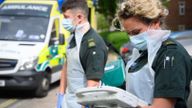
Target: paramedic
<point x="86" y="53"/>
<point x="159" y="71"/>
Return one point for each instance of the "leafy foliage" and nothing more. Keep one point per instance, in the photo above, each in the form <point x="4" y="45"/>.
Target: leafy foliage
<point x="116" y="38"/>
<point x="102" y="24"/>
<point x="107" y="7"/>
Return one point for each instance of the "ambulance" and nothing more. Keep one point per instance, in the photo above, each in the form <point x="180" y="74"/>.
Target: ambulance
<point x="32" y="44"/>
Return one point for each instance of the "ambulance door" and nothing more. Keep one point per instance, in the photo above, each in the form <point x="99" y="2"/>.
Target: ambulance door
<point x="53" y="47"/>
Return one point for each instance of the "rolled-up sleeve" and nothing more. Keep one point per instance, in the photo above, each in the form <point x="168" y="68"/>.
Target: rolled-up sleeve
<point x="95" y="63"/>
<point x="170" y="75"/>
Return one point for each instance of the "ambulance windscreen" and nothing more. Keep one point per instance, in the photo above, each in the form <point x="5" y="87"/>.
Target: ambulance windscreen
<point x="23" y="28"/>
<point x="38" y="10"/>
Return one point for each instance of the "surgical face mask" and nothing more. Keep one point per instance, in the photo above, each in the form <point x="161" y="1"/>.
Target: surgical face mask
<point x="68" y="24"/>
<point x="139" y="41"/>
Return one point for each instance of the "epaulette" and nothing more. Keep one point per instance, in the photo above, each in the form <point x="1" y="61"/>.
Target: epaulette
<point x="91" y="43"/>
<point x="169" y="43"/>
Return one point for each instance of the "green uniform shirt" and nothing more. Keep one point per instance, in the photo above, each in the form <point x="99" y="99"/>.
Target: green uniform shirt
<point x="172" y="68"/>
<point x="93" y="54"/>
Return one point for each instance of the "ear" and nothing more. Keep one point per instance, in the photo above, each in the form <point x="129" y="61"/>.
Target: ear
<point x="80" y="16"/>
<point x="156" y="24"/>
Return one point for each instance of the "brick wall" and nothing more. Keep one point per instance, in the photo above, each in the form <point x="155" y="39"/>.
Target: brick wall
<point x="174" y="19"/>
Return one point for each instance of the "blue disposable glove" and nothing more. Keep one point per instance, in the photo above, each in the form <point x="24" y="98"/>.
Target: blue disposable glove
<point x="60" y="98"/>
<point x="87" y="106"/>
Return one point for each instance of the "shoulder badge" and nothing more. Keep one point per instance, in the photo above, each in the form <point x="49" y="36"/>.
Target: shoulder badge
<point x="169" y="42"/>
<point x="91" y="43"/>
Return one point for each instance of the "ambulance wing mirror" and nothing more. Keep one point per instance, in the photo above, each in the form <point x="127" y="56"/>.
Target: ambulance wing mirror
<point x="61" y="39"/>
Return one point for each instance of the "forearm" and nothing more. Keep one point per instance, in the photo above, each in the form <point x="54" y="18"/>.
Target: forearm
<point x="63" y="79"/>
<point x="93" y="83"/>
<point x="162" y="103"/>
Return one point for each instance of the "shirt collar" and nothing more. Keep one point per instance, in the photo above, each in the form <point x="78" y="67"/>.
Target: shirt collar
<point x="82" y="29"/>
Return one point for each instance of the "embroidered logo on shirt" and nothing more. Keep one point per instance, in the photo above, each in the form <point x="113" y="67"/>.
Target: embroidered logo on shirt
<point x="91" y="43"/>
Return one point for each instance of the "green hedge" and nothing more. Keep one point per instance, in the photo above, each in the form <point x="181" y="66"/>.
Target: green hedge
<point x="117" y="38"/>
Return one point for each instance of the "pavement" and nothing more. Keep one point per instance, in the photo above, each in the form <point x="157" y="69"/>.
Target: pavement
<point x="23" y="100"/>
<point x="46" y="102"/>
<point x="34" y="102"/>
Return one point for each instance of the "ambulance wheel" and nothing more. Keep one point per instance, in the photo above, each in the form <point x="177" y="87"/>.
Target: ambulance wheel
<point x="43" y="88"/>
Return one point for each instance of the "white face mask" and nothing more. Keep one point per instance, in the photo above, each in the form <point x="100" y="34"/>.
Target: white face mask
<point x="68" y="24"/>
<point x="139" y="41"/>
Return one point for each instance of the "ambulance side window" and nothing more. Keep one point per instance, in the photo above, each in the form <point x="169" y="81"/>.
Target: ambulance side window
<point x="53" y="39"/>
<point x="89" y="15"/>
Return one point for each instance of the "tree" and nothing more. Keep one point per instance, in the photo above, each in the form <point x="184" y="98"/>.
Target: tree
<point x="107" y="8"/>
<point x="102" y="24"/>
<point x="165" y="2"/>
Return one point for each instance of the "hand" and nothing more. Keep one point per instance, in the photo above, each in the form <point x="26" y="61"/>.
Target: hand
<point x="60" y="98"/>
<point x="93" y="83"/>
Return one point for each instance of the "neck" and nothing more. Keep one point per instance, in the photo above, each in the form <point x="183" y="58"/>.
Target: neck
<point x="83" y="27"/>
<point x="83" y="21"/>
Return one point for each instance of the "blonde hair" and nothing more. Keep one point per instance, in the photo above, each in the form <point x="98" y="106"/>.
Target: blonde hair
<point x="147" y="10"/>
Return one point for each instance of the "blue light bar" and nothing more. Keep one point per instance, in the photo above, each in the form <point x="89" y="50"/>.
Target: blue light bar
<point x="1" y="1"/>
<point x="60" y="3"/>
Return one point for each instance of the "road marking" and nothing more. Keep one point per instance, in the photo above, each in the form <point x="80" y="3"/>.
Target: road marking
<point x="7" y="103"/>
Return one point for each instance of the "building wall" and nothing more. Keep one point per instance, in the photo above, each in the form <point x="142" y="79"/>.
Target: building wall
<point x="174" y="19"/>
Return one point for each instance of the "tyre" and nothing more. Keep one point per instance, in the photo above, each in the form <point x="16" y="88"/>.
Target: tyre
<point x="43" y="88"/>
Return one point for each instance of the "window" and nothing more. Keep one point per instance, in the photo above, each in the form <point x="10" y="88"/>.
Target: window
<point x="15" y="28"/>
<point x="181" y="27"/>
<point x="89" y="15"/>
<point x="54" y="32"/>
<point x="181" y="7"/>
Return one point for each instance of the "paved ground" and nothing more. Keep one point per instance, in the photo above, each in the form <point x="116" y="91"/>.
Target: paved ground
<point x="20" y="99"/>
<point x="47" y="102"/>
<point x="25" y="100"/>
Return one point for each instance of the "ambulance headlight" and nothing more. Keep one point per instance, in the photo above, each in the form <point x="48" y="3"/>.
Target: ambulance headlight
<point x="29" y="64"/>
